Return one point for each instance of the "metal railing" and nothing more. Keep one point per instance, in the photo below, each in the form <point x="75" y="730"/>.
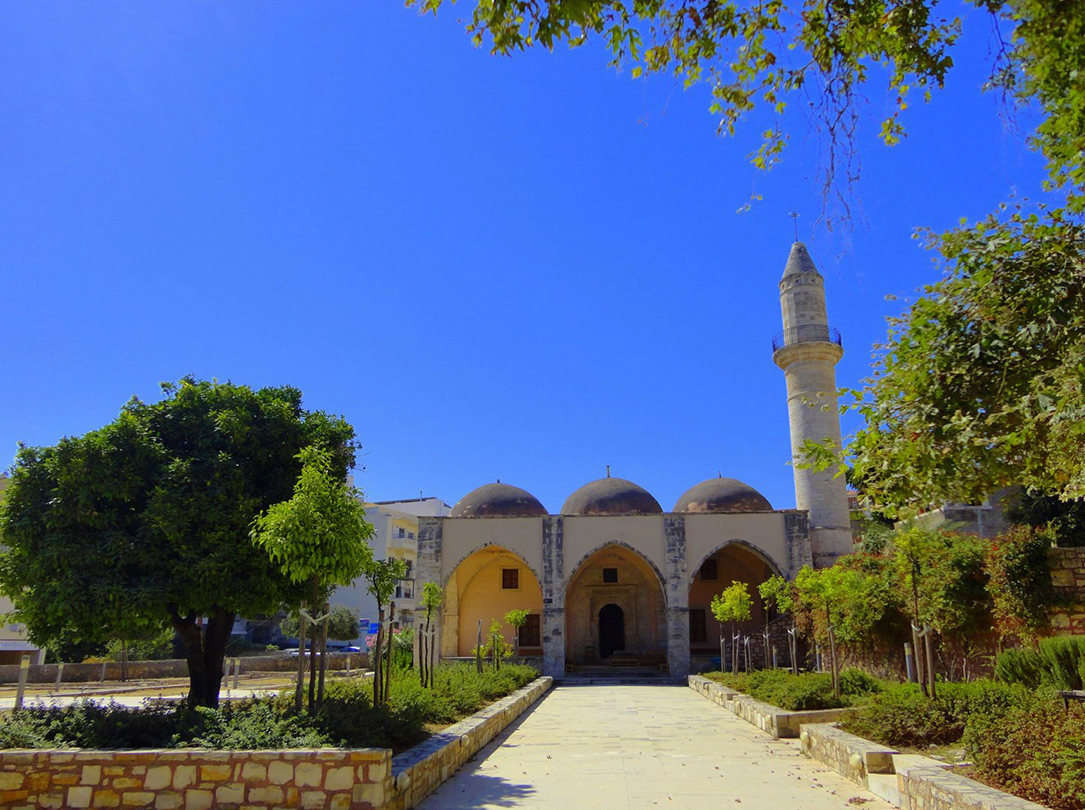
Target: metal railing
<point x="806" y="333"/>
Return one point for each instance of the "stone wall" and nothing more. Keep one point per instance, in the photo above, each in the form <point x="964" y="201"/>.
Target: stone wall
<point x="171" y="668"/>
<point x="1068" y="577"/>
<point x="770" y="719"/>
<point x="179" y="779"/>
<point x="194" y="779"/>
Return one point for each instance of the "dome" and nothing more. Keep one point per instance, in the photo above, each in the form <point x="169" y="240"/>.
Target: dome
<point x="498" y="500"/>
<point x="722" y="495"/>
<point x="611" y="496"/>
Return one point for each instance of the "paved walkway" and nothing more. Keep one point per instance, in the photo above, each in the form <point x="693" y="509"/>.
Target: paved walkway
<point x="633" y="747"/>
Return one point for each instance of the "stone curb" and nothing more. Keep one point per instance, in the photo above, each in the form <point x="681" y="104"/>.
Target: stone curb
<point x="770" y="719"/>
<point x="908" y="781"/>
<point x="418" y="772"/>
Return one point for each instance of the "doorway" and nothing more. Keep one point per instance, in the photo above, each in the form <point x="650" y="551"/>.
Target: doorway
<point x="611" y="630"/>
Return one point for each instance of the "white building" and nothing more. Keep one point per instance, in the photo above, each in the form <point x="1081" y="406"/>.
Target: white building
<point x="396" y="525"/>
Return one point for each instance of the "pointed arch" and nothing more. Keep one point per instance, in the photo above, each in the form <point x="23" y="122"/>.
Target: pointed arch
<point x="490" y="544"/>
<point x="735" y="543"/>
<point x="655" y="569"/>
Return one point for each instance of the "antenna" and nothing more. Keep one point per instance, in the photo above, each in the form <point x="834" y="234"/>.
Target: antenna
<point x="608" y="471"/>
<point x="795" y="221"/>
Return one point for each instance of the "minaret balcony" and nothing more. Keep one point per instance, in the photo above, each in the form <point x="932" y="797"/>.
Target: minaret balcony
<point x="806" y="333"/>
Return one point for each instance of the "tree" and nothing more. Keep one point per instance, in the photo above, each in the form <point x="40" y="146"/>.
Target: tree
<point x="1022" y="594"/>
<point x="319" y="538"/>
<point x="778" y="594"/>
<point x="733" y="605"/>
<point x="516" y="619"/>
<point x="823" y="54"/>
<point x="982" y="382"/>
<point x="382" y="576"/>
<point x="145" y="522"/>
<point x="343" y="623"/>
<point x="1065" y="519"/>
<point x="432" y="596"/>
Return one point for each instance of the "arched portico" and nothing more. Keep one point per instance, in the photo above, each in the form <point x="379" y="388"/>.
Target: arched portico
<point x="615" y="608"/>
<point x="484" y="586"/>
<point x="733" y="561"/>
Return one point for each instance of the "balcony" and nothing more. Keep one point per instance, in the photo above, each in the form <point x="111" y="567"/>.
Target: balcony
<point x="806" y="333"/>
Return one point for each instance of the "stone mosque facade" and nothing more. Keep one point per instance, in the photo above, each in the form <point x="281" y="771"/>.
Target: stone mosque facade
<point x="612" y="577"/>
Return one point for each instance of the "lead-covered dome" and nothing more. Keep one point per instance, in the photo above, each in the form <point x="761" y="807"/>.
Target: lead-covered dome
<point x="611" y="496"/>
<point x="722" y="495"/>
<point x="498" y="500"/>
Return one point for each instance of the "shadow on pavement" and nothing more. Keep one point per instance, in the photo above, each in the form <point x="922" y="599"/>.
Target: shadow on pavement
<point x="477" y="790"/>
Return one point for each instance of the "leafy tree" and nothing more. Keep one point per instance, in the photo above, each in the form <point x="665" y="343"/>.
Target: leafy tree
<point x="343" y="623"/>
<point x="734" y="604"/>
<point x="1022" y="593"/>
<point x="382" y="576"/>
<point x="982" y="382"/>
<point x="779" y="595"/>
<point x="516" y="619"/>
<point x="432" y="596"/>
<point x="841" y="609"/>
<point x="144" y="523"/>
<point x="1066" y="519"/>
<point x="823" y="54"/>
<point x="319" y="540"/>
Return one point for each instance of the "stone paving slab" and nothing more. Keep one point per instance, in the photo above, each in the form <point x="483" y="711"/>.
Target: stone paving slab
<point x="640" y="747"/>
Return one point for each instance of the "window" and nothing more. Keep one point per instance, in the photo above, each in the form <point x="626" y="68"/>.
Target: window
<point x="402" y="532"/>
<point x="698" y="630"/>
<point x="510" y="579"/>
<point x="530" y="635"/>
<point x="410" y="564"/>
<point x="610" y="575"/>
<point x="710" y="570"/>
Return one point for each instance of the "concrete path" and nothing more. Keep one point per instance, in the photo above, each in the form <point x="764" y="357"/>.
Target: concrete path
<point x="633" y="747"/>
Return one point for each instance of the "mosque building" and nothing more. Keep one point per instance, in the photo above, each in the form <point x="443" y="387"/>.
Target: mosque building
<point x="613" y="577"/>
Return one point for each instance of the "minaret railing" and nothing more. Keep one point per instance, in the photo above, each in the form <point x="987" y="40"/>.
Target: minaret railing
<point x="806" y="333"/>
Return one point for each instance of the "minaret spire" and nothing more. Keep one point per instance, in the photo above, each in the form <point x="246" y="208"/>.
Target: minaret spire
<point x="808" y="350"/>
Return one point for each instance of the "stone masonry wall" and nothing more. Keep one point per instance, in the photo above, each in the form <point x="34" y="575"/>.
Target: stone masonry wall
<point x="194" y="779"/>
<point x="1068" y="577"/>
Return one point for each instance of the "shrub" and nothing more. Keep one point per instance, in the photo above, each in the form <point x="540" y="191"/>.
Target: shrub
<point x="1062" y="660"/>
<point x="248" y="725"/>
<point x="1035" y="750"/>
<point x="1022" y="666"/>
<point x="806" y="691"/>
<point x="856" y="683"/>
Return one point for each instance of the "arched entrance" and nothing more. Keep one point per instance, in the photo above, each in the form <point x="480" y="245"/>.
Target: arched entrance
<point x="733" y="562"/>
<point x="483" y="587"/>
<point x="611" y="630"/>
<point x="615" y="608"/>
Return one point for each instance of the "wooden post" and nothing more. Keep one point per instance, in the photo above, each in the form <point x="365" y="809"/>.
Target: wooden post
<point x="478" y="649"/>
<point x="299" y="689"/>
<point x="60" y="676"/>
<point x="103" y="671"/>
<point x="24" y="670"/>
<point x="237" y="672"/>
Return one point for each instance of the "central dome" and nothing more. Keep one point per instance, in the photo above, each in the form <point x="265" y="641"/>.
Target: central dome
<point x="722" y="495"/>
<point x="498" y="500"/>
<point x="611" y="496"/>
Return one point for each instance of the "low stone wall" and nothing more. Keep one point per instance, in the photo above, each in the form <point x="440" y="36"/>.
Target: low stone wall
<point x="771" y="719"/>
<point x="940" y="789"/>
<point x="194" y="779"/>
<point x="848" y="755"/>
<point x="1068" y="577"/>
<point x="418" y="772"/>
<point x="909" y="781"/>
<point x="170" y="668"/>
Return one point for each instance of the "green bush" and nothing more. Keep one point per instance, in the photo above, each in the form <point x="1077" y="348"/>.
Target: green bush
<point x="1062" y="661"/>
<point x="902" y="716"/>
<point x="1035" y="750"/>
<point x="249" y="725"/>
<point x="806" y="691"/>
<point x="1022" y="666"/>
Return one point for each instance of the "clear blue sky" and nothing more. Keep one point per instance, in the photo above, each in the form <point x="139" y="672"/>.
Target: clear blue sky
<point x="522" y="268"/>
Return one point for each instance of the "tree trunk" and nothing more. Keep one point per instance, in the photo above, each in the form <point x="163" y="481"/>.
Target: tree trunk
<point x="478" y="649"/>
<point x="204" y="651"/>
<point x="323" y="653"/>
<point x="920" y="673"/>
<point x="299" y="687"/>
<point x="314" y="643"/>
<point x="422" y="652"/>
<point x="832" y="662"/>
<point x="378" y="654"/>
<point x="391" y="651"/>
<point x="723" y="650"/>
<point x="930" y="661"/>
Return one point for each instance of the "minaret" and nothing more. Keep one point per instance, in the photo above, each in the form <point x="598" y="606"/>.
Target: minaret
<point x="808" y="350"/>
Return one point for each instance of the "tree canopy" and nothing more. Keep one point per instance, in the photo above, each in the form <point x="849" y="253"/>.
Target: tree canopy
<point x="824" y="56"/>
<point x="145" y="522"/>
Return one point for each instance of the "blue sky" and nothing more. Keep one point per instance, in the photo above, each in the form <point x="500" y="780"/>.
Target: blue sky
<point x="523" y="268"/>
